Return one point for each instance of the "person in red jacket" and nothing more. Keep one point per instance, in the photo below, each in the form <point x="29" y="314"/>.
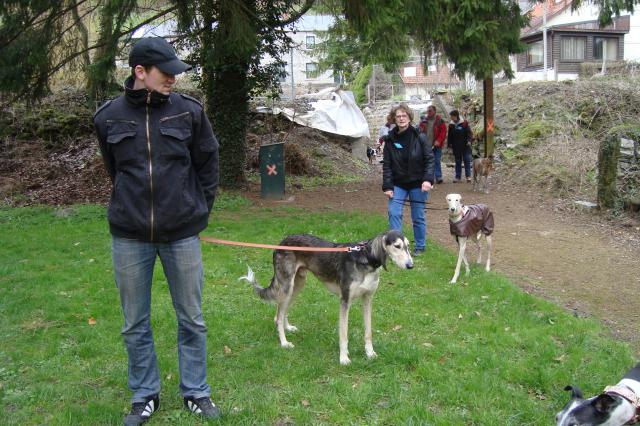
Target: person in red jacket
<point x="434" y="127"/>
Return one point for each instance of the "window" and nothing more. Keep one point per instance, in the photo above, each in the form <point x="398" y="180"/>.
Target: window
<point x="410" y="71"/>
<point x="282" y="73"/>
<point x="310" y="41"/>
<point x="573" y="48"/>
<point x="605" y="48"/>
<point x="535" y="53"/>
<point x="312" y="70"/>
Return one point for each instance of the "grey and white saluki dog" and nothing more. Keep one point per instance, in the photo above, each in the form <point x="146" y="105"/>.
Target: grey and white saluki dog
<point x="349" y="275"/>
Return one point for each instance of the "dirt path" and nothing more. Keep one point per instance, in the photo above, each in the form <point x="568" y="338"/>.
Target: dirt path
<point x="576" y="259"/>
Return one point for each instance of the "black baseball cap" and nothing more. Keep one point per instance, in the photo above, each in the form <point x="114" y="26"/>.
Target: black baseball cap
<point x="157" y="51"/>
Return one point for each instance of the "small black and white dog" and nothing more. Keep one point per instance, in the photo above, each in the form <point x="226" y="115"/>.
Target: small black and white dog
<point x="348" y="274"/>
<point x="371" y="154"/>
<point x="616" y="406"/>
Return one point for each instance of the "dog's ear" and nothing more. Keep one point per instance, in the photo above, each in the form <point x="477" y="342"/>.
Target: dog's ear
<point x="378" y="249"/>
<point x="576" y="393"/>
<point x="605" y="403"/>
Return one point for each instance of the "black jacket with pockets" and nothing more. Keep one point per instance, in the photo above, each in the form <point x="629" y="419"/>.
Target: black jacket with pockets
<point x="420" y="166"/>
<point x="162" y="157"/>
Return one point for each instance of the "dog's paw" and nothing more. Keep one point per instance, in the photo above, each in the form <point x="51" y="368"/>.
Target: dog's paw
<point x="488" y="269"/>
<point x="371" y="354"/>
<point x="452" y="281"/>
<point x="345" y="360"/>
<point x="291" y="328"/>
<point x="287" y="345"/>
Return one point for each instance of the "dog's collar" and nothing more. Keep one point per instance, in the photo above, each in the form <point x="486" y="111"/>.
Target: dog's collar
<point x="629" y="395"/>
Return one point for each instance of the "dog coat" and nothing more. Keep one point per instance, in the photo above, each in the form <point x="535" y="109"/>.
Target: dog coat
<point x="477" y="218"/>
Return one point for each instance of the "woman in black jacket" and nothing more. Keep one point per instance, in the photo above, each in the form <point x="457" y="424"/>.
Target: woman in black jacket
<point x="459" y="140"/>
<point x="407" y="172"/>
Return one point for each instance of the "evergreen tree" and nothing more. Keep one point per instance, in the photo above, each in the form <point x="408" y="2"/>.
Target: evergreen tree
<point x="229" y="38"/>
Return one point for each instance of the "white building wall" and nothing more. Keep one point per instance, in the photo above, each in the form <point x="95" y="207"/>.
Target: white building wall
<point x="301" y="57"/>
<point x="632" y="40"/>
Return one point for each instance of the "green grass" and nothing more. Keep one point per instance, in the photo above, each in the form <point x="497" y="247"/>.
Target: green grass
<point x="479" y="353"/>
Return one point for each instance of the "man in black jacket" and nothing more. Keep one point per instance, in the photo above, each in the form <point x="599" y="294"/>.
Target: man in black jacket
<point x="162" y="157"/>
<point x="407" y="172"/>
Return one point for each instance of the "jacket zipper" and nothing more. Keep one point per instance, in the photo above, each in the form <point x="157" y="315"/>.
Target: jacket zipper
<point x="150" y="165"/>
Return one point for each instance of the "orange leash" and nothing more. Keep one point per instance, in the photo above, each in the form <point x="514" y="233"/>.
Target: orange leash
<point x="269" y="246"/>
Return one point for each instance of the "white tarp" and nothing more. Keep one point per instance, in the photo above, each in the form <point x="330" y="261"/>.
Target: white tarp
<point x="335" y="111"/>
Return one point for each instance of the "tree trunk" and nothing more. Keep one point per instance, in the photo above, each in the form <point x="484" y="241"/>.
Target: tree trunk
<point x="228" y="108"/>
<point x="225" y="78"/>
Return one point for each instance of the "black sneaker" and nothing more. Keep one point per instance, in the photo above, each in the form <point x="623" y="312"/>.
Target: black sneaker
<point x="439" y="181"/>
<point x="204" y="407"/>
<point x="141" y="411"/>
<point x="418" y="252"/>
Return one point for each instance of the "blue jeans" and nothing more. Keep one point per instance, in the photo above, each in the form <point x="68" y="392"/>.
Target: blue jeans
<point x="437" y="154"/>
<point x="468" y="159"/>
<point x="418" y="200"/>
<point x="133" y="263"/>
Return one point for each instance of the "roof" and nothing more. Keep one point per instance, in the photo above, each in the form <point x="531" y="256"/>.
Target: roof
<point x="620" y="25"/>
<point x="554" y="8"/>
<point x="441" y="75"/>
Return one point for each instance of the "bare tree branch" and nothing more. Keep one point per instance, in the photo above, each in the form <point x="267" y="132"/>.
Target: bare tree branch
<point x="305" y="8"/>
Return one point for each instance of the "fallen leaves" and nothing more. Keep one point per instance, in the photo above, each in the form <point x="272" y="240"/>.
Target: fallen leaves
<point x="92" y="321"/>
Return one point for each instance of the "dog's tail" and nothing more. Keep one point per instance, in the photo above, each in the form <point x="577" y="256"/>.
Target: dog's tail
<point x="266" y="293"/>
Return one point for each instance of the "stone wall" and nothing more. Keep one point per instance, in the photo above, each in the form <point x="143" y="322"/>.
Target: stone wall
<point x="619" y="173"/>
<point x="628" y="181"/>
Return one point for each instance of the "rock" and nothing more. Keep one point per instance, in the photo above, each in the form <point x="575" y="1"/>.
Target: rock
<point x="586" y="204"/>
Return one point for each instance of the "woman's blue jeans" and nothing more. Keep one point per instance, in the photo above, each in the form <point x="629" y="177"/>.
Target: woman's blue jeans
<point x="133" y="263"/>
<point x="417" y="200"/>
<point x="468" y="159"/>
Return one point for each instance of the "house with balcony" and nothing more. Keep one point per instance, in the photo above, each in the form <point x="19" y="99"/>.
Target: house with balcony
<point x="572" y="39"/>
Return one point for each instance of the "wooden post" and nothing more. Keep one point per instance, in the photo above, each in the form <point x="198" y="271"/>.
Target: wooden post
<point x="488" y="116"/>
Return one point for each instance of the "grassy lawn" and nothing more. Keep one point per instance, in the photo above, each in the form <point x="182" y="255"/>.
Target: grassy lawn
<point x="480" y="353"/>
